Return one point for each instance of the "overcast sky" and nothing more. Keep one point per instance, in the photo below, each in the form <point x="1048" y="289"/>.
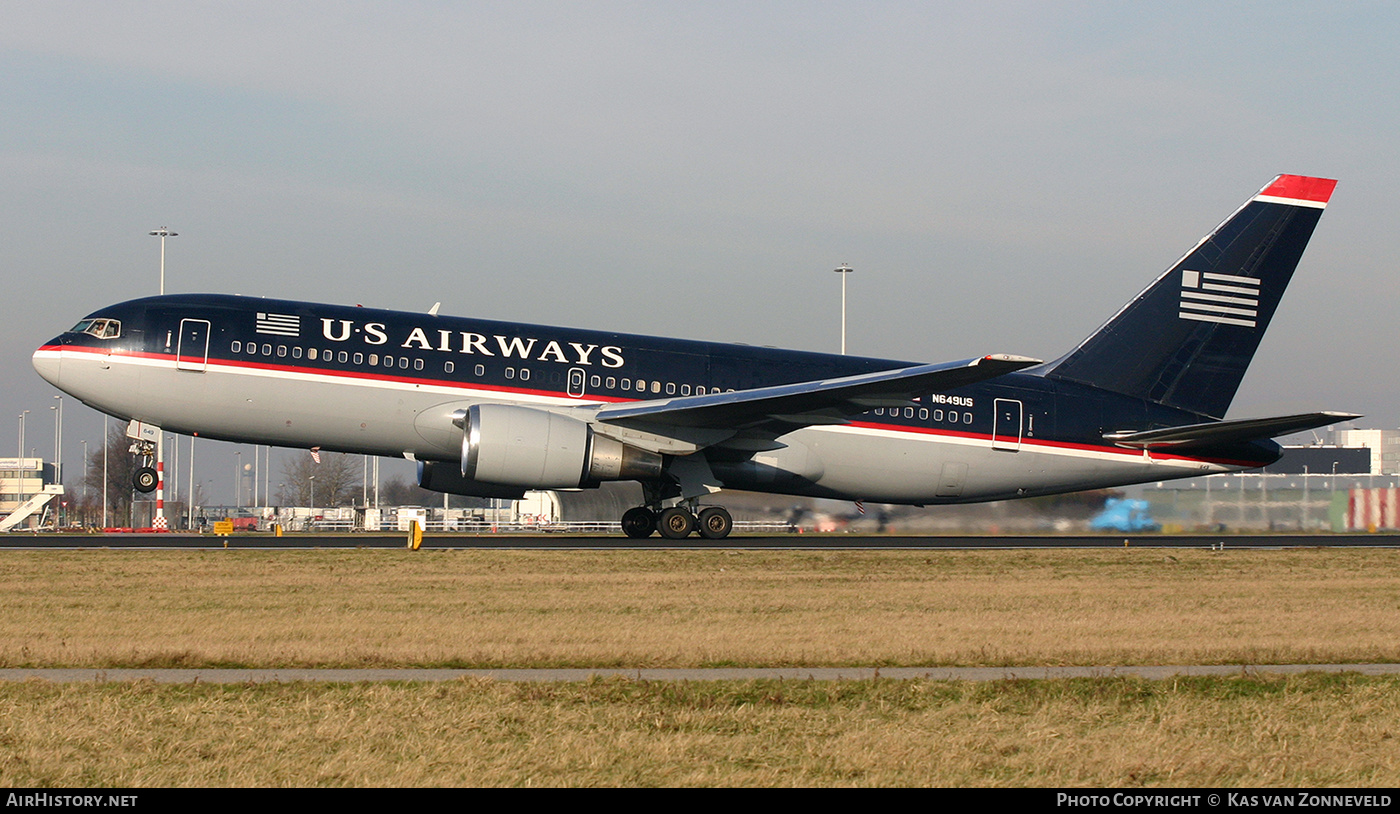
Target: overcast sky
<point x="1002" y="176"/>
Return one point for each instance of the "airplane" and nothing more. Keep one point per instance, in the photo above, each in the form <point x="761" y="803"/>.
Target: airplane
<point x="492" y="408"/>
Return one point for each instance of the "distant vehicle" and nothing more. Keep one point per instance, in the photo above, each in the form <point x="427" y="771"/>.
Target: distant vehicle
<point x="493" y="409"/>
<point x="1126" y="515"/>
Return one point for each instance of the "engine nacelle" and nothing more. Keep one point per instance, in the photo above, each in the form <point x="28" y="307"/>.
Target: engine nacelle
<point x="440" y="477"/>
<point x="538" y="449"/>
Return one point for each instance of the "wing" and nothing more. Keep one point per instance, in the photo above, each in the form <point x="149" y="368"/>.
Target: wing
<point x="829" y="401"/>
<point x="1225" y="432"/>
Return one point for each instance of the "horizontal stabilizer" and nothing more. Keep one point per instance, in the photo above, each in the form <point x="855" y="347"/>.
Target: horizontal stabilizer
<point x="1226" y="432"/>
<point x="815" y="402"/>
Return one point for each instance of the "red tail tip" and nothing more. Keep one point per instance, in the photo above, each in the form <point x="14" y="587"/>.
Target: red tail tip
<point x="1301" y="188"/>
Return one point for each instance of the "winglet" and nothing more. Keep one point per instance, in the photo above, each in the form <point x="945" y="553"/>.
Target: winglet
<point x="1298" y="190"/>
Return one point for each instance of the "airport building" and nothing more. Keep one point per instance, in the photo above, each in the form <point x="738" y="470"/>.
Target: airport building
<point x="1383" y="445"/>
<point x="21" y="479"/>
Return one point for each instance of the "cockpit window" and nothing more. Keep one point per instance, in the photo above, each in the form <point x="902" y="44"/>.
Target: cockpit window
<point x="100" y="328"/>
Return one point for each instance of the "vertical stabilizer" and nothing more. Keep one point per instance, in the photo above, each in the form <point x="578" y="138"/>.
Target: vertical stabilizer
<point x="1187" y="340"/>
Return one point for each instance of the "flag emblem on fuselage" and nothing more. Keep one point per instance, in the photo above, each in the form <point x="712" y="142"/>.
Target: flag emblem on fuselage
<point x="279" y="324"/>
<point x="1224" y="298"/>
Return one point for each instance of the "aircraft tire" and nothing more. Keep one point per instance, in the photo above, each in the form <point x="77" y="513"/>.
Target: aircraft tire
<point x="715" y="523"/>
<point x="144" y="480"/>
<point x="675" y="523"/>
<point x="638" y="523"/>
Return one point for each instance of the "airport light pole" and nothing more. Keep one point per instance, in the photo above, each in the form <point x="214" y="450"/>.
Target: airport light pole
<point x="162" y="233"/>
<point x="189" y="514"/>
<point x="843" y="270"/>
<point x="21" y="432"/>
<point x="58" y="440"/>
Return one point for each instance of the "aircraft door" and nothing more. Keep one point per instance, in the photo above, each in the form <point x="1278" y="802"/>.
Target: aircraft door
<point x="576" y="382"/>
<point x="192" y="351"/>
<point x="1006" y="425"/>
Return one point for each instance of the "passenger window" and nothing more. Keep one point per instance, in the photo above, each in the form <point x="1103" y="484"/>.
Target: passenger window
<point x="670" y="388"/>
<point x="447" y="367"/>
<point x="510" y="373"/>
<point x="267" y="350"/>
<point x="612" y="383"/>
<point x="311" y="354"/>
<point x="282" y="351"/>
<point x="481" y="370"/>
<point x="296" y="352"/>
<point x="403" y="363"/>
<point x="359" y="358"/>
<point x="235" y="347"/>
<point x="967" y="418"/>
<point x="524" y="373"/>
<point x="595" y="382"/>
<point x="656" y="386"/>
<point x="417" y="364"/>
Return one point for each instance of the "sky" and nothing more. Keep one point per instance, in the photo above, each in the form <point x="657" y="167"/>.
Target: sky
<point x="1001" y="176"/>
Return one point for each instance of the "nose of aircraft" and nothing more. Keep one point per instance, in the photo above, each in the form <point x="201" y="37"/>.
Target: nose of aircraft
<point x="47" y="361"/>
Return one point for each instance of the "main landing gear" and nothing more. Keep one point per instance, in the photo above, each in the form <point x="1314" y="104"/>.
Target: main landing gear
<point x="677" y="522"/>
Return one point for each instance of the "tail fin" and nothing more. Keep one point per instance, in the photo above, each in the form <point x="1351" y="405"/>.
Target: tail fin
<point x="1187" y="339"/>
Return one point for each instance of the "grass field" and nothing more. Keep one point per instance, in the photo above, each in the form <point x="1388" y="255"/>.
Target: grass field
<point x="531" y="609"/>
<point x="694" y="609"/>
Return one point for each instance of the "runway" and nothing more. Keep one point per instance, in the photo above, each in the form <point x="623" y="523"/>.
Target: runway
<point x="794" y="542"/>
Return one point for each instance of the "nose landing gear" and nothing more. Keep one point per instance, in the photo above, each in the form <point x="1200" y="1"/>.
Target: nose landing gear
<point x="145" y="478"/>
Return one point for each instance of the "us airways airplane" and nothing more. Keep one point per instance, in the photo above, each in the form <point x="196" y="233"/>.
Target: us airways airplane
<point x="495" y="408"/>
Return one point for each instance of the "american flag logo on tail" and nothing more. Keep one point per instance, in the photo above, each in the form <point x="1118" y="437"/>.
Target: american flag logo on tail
<point x="1224" y="298"/>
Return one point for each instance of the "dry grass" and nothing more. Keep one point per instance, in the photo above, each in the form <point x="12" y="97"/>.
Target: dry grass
<point x="692" y="609"/>
<point x="528" y="609"/>
<point x="1300" y="731"/>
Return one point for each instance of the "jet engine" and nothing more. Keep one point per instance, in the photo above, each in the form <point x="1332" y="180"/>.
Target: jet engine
<point x="537" y="449"/>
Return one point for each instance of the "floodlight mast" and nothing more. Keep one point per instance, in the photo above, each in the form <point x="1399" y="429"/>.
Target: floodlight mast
<point x="159" y="520"/>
